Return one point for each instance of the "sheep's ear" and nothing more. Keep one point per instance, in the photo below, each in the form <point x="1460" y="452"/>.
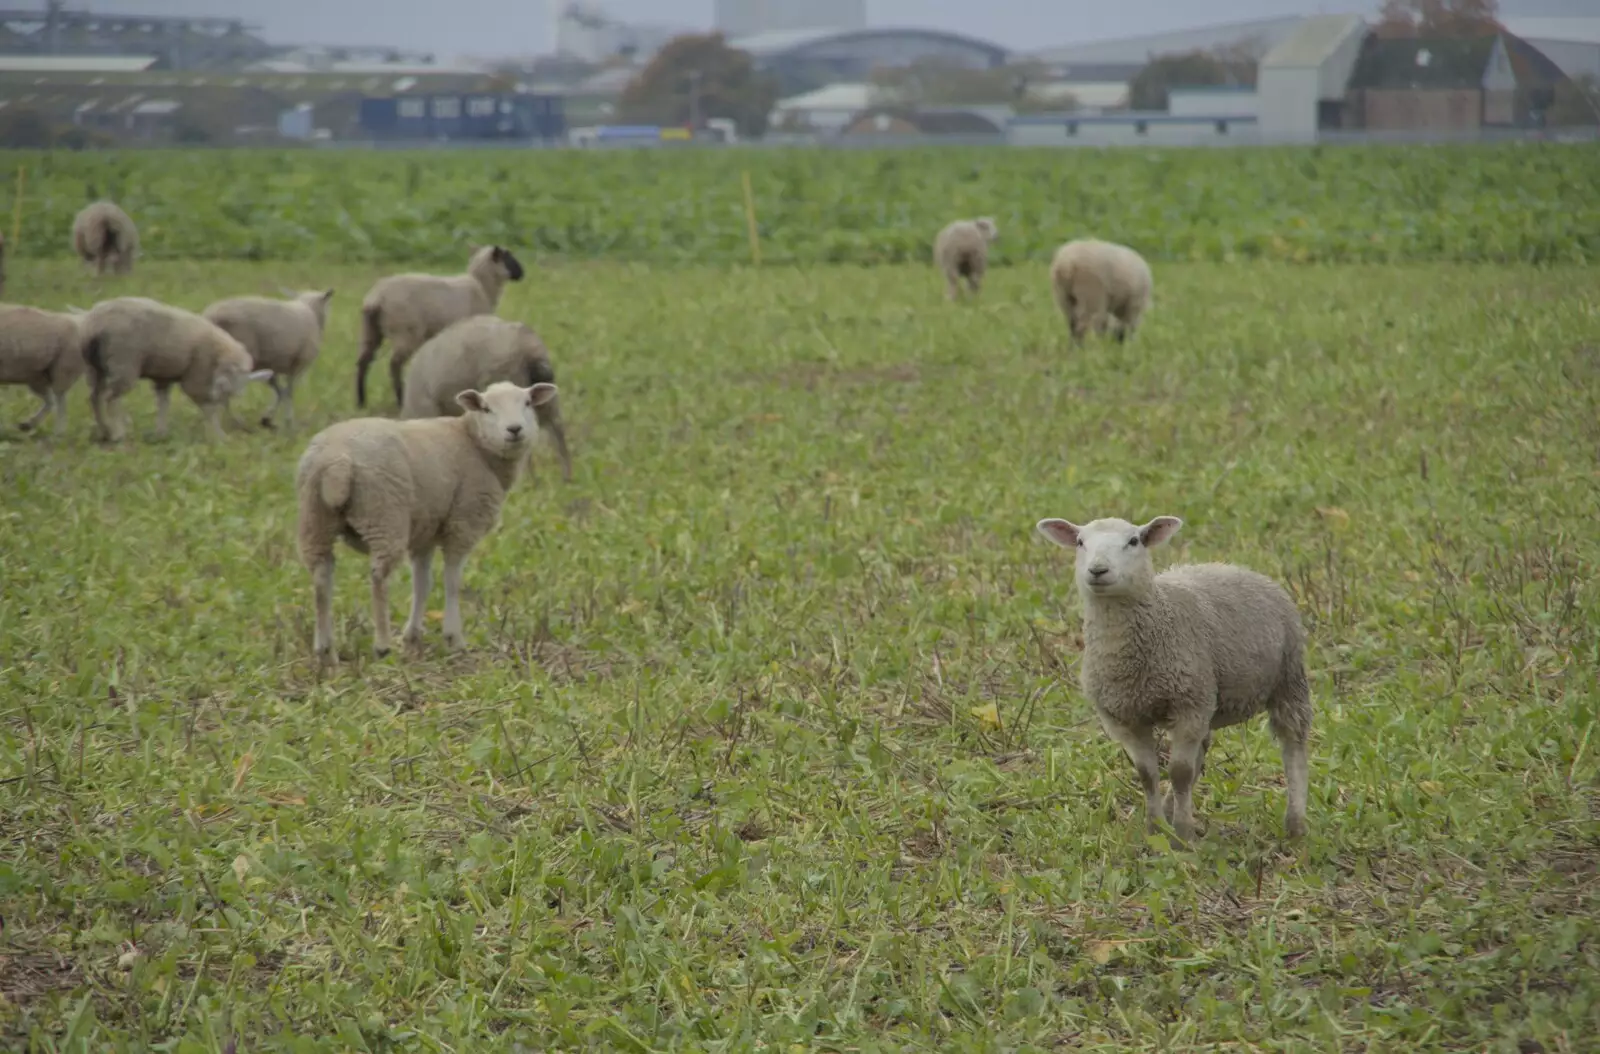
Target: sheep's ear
<point x="473" y="400"/>
<point x="541" y="393"/>
<point x="327" y="295"/>
<point x="1062" y="532"/>
<point x="259" y="375"/>
<point x="1158" y="530"/>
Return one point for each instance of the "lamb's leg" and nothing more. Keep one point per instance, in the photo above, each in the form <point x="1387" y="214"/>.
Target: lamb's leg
<point x="454" y="635"/>
<point x="549" y="418"/>
<point x="421" y="583"/>
<point x="1140" y="745"/>
<point x="288" y="403"/>
<point x="383" y="565"/>
<point x="1183" y="766"/>
<point x="397" y="377"/>
<point x="59" y="400"/>
<point x="163" y="409"/>
<point x="952" y="286"/>
<point x="97" y="402"/>
<point x="47" y="397"/>
<point x="322" y="590"/>
<point x="1289" y="715"/>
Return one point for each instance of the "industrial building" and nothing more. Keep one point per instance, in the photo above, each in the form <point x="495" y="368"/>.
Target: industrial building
<point x="747" y="18"/>
<point x="803" y="60"/>
<point x="1301" y="82"/>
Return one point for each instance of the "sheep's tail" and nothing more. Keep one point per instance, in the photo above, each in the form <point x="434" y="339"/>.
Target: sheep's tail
<point x="94" y="355"/>
<point x="371" y="338"/>
<point x="333" y="482"/>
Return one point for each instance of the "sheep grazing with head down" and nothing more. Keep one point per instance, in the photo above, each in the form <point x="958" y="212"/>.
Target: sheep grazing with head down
<point x="408" y="309"/>
<point x="1193" y="649"/>
<point x="1101" y="286"/>
<point x="396" y="488"/>
<point x="283" y="336"/>
<point x="134" y="338"/>
<point x="41" y="350"/>
<point x="961" y="251"/>
<point x="474" y="353"/>
<point x="104" y="237"/>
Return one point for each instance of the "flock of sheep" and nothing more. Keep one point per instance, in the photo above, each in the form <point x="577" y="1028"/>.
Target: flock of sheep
<point x="1190" y="650"/>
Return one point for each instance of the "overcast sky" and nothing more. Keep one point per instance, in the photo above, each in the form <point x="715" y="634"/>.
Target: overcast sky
<point x="494" y="27"/>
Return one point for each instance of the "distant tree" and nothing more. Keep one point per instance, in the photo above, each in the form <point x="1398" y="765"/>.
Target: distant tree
<point x="1151" y="85"/>
<point x="699" y="77"/>
<point x="1577" y="103"/>
<point x="25" y="129"/>
<point x="1438" y="18"/>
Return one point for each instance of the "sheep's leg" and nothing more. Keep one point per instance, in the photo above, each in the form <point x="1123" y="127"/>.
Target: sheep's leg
<point x="1290" y="719"/>
<point x="397" y="377"/>
<point x="421" y="583"/>
<point x="952" y="286"/>
<point x="163" y="409"/>
<point x="1140" y="746"/>
<point x="549" y="417"/>
<point x="59" y="402"/>
<point x="97" y="403"/>
<point x="288" y="403"/>
<point x="322" y="590"/>
<point x="1184" y="762"/>
<point x="383" y="565"/>
<point x="47" y="397"/>
<point x="454" y="635"/>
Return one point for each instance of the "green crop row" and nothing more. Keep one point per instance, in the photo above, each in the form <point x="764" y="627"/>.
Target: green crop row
<point x="1523" y="202"/>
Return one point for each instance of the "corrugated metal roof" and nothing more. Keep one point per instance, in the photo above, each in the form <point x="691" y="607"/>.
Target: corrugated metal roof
<point x="1571" y="30"/>
<point x="1314" y="42"/>
<point x="1139" y="49"/>
<point x="76" y="63"/>
<point x="783" y="40"/>
<point x="833" y="97"/>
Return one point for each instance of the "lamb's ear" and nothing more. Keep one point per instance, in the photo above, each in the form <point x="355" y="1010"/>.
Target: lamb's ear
<point x="1158" y="530"/>
<point x="1062" y="532"/>
<point x="327" y="295"/>
<point x="259" y="375"/>
<point x="541" y="393"/>
<point x="473" y="400"/>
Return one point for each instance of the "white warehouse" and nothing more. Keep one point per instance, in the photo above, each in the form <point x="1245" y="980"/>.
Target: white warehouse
<point x="1301" y="82"/>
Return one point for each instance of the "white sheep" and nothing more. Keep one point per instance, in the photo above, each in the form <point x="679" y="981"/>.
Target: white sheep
<point x="105" y="236"/>
<point x="133" y="338"/>
<point x="1193" y="649"/>
<point x="474" y="353"/>
<point x="392" y="488"/>
<point x="41" y="349"/>
<point x="1099" y="286"/>
<point x="962" y="251"/>
<point x="284" y="336"/>
<point x="407" y="309"/>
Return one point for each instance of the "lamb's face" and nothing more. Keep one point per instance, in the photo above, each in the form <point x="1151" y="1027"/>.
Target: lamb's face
<point x="502" y="418"/>
<point x="1113" y="555"/>
<point x="233" y="374"/>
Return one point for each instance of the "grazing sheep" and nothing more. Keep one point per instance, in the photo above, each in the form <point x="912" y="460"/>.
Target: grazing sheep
<point x="283" y="336"/>
<point x="133" y="338"/>
<point x="407" y="309"/>
<point x="1193" y="649"/>
<point x="1100" y="285"/>
<point x="40" y="349"/>
<point x="962" y="251"/>
<point x="474" y="353"/>
<point x="103" y="235"/>
<point x="393" y="488"/>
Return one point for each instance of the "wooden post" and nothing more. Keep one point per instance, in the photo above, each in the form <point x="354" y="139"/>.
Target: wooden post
<point x="750" y="219"/>
<point x="16" y="209"/>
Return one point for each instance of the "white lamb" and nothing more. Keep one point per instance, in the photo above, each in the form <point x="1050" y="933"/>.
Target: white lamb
<point x="104" y="237"/>
<point x="134" y="338"/>
<point x="407" y="309"/>
<point x="474" y="353"/>
<point x="392" y="488"/>
<point x="284" y="336"/>
<point x="1099" y="286"/>
<point x="962" y="251"/>
<point x="41" y="350"/>
<point x="1193" y="649"/>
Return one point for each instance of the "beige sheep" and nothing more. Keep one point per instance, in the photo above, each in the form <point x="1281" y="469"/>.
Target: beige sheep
<point x="41" y="350"/>
<point x="284" y="336"/>
<point x="962" y="251"/>
<point x="407" y="309"/>
<point x="105" y="236"/>
<point x="132" y="338"/>
<point x="397" y="488"/>
<point x="1100" y="285"/>
<point x="474" y="353"/>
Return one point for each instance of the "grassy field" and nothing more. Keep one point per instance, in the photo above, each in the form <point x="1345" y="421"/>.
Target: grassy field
<point x="1514" y="202"/>
<point x="769" y="736"/>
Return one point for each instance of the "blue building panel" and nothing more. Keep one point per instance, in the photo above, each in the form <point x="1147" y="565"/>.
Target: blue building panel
<point x="471" y="115"/>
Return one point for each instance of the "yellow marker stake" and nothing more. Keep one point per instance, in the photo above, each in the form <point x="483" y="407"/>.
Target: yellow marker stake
<point x="750" y="218"/>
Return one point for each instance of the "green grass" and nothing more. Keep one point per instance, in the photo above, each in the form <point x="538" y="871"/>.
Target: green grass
<point x="1376" y="204"/>
<point x="710" y="776"/>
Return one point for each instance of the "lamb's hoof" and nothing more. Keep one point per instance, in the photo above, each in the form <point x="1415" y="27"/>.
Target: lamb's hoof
<point x="455" y="642"/>
<point x="382" y="653"/>
<point x="24" y="426"/>
<point x="266" y="422"/>
<point x="1295" y="827"/>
